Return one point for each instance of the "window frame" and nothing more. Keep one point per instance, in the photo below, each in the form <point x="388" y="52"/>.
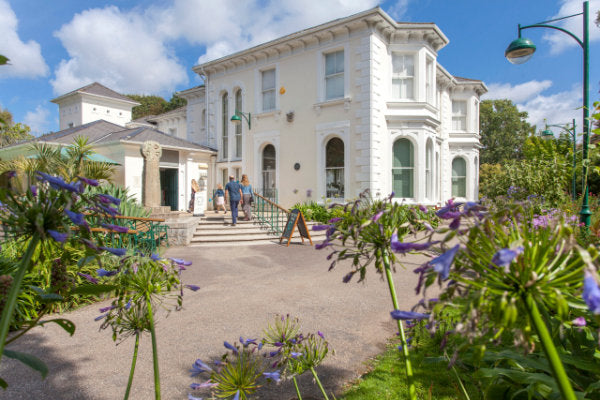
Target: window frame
<point x="336" y="74"/>
<point x="225" y="126"/>
<point x="336" y="169"/>
<point x="463" y="118"/>
<point x="238" y="127"/>
<point x="263" y="90"/>
<point x="459" y="178"/>
<point x="411" y="168"/>
<point x="397" y="76"/>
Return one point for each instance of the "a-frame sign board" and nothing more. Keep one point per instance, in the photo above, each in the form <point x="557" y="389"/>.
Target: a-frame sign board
<point x="295" y="219"/>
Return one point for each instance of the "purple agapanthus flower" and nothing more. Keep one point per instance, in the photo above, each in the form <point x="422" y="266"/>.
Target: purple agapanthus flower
<point x="193" y="287"/>
<point x="76" y="218"/>
<point x="89" y="244"/>
<point x="128" y="305"/>
<point x="376" y="217"/>
<point x="181" y="261"/>
<point x="591" y="293"/>
<point x="321" y="334"/>
<point x="34" y="190"/>
<point x="155" y="257"/>
<point x="57" y="182"/>
<point x="579" y="321"/>
<point x="108" y="199"/>
<point x="58" y="236"/>
<point x="116" y="252"/>
<point x="207" y="384"/>
<point x="230" y="347"/>
<point x="198" y="367"/>
<point x="441" y="264"/>
<point x="408" y="315"/>
<point x="10" y="174"/>
<point x="105" y="309"/>
<point x="423" y="208"/>
<point x="348" y="277"/>
<point x="405" y="247"/>
<point x="504" y="257"/>
<point x="102" y="272"/>
<point x="88" y="277"/>
<point x="455" y="224"/>
<point x="91" y="182"/>
<point x="116" y="228"/>
<point x="321" y="227"/>
<point x="192" y="397"/>
<point x="247" y="342"/>
<point x="334" y="220"/>
<point x="295" y="355"/>
<point x="237" y="395"/>
<point x="99" y="317"/>
<point x="275" y="376"/>
<point x="323" y="244"/>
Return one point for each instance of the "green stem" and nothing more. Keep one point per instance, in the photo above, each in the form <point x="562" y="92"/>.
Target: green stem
<point x="133" y="361"/>
<point x="462" y="387"/>
<point x="412" y="391"/>
<point x="11" y="300"/>
<point x="319" y="383"/>
<point x="558" y="369"/>
<point x="296" y="386"/>
<point x="30" y="325"/>
<point x="154" y="350"/>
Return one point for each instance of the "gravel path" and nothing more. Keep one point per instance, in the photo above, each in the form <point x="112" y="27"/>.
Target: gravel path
<point x="242" y="288"/>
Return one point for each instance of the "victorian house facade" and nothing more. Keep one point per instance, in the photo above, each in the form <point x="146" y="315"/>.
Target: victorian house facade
<point x="356" y="103"/>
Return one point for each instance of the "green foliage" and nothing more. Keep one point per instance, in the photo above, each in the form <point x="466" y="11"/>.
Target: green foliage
<point x="4" y="60"/>
<point x="239" y="375"/>
<point x="10" y="132"/>
<point x="503" y="131"/>
<point x="154" y="105"/>
<point x="313" y="211"/>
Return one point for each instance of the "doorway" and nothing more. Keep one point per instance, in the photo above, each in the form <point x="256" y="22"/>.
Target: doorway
<point x="169" y="188"/>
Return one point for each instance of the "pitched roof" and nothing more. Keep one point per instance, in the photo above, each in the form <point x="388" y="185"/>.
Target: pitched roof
<point x="104" y="132"/>
<point x="97" y="89"/>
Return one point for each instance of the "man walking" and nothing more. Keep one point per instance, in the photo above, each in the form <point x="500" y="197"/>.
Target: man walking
<point x="234" y="190"/>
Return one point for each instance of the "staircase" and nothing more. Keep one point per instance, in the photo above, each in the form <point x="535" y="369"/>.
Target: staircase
<point x="216" y="230"/>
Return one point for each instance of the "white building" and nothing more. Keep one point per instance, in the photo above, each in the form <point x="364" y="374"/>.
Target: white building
<point x="353" y="104"/>
<point x="92" y="103"/>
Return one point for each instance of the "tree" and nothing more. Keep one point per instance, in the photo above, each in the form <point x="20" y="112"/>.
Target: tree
<point x="154" y="105"/>
<point x="10" y="132"/>
<point x="504" y="130"/>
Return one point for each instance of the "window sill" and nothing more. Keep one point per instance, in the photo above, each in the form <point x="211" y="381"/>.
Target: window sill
<point x="334" y="102"/>
<point x="266" y="114"/>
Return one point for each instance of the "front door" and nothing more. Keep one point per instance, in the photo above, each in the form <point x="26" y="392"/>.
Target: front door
<point x="169" y="188"/>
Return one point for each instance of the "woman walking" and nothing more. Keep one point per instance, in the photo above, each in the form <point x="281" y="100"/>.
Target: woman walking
<point x="246" y="197"/>
<point x="220" y="196"/>
<point x="195" y="188"/>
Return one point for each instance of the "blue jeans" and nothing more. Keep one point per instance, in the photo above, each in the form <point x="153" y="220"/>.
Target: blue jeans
<point x="233" y="204"/>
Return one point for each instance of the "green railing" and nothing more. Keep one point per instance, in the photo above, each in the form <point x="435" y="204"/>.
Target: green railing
<point x="269" y="213"/>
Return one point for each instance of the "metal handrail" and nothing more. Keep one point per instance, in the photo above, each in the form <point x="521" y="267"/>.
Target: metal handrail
<point x="269" y="213"/>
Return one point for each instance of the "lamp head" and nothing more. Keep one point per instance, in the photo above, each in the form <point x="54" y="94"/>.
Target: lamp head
<point x="519" y="51"/>
<point x="547" y="133"/>
<point x="236" y="119"/>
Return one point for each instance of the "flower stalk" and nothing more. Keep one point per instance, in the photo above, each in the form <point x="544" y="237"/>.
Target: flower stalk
<point x="133" y="361"/>
<point x="558" y="369"/>
<point x="11" y="300"/>
<point x="296" y="387"/>
<point x="319" y="383"/>
<point x="154" y="349"/>
<point x="412" y="391"/>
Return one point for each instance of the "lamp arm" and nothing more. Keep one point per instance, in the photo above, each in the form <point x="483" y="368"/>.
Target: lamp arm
<point x="246" y="116"/>
<point x="552" y="27"/>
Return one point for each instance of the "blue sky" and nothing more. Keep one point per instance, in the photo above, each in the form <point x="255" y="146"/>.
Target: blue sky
<point x="150" y="46"/>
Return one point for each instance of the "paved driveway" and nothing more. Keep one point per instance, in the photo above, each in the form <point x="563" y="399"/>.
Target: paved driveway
<point x="242" y="288"/>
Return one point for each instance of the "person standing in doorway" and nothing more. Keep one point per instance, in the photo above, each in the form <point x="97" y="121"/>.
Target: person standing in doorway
<point x="195" y="188"/>
<point x="246" y="197"/>
<point x="234" y="190"/>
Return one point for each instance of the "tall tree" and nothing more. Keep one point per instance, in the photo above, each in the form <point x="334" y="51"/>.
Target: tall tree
<point x="154" y="105"/>
<point x="504" y="130"/>
<point x="10" y="132"/>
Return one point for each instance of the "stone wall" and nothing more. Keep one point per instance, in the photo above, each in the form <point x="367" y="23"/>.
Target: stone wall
<point x="181" y="230"/>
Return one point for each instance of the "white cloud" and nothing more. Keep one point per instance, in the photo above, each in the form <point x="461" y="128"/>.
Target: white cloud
<point x="518" y="93"/>
<point x="229" y="25"/>
<point x="26" y="59"/>
<point x="398" y="9"/>
<point x="117" y="49"/>
<point x="38" y="120"/>
<point x="560" y="41"/>
<point x="556" y="108"/>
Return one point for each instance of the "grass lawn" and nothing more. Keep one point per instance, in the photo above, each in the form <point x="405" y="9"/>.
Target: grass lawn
<point x="387" y="379"/>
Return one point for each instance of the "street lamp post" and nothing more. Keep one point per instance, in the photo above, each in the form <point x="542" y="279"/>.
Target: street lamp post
<point x="237" y="120"/>
<point x="521" y="50"/>
<point x="572" y="133"/>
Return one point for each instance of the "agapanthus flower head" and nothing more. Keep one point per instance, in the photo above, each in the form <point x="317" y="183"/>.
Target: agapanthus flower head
<point x="108" y="199"/>
<point x="116" y="228"/>
<point x="247" y="342"/>
<point x="579" y="321"/>
<point x="348" y="277"/>
<point x="192" y="397"/>
<point x="591" y="293"/>
<point x="56" y="182"/>
<point x="295" y="355"/>
<point x="321" y="227"/>
<point x="230" y="347"/>
<point x="441" y="264"/>
<point x="376" y="217"/>
<point x="423" y="208"/>
<point x="34" y="190"/>
<point x="58" y="236"/>
<point x="321" y="334"/>
<point x="323" y="244"/>
<point x="88" y="277"/>
<point x="408" y="315"/>
<point x="207" y="384"/>
<point x="181" y="261"/>
<point x="193" y="287"/>
<point x="155" y="257"/>
<point x="405" y="247"/>
<point x="105" y="309"/>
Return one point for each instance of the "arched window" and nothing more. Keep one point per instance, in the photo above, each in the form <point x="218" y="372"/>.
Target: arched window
<point x="334" y="168"/>
<point x="238" y="127"/>
<point x="403" y="168"/>
<point x="225" y="125"/>
<point x="429" y="170"/>
<point x="459" y="177"/>
<point x="269" y="171"/>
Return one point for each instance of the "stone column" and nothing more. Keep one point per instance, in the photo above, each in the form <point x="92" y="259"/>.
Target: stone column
<point x="151" y="151"/>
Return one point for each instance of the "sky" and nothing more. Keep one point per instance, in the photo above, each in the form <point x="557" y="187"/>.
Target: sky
<point x="150" y="46"/>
